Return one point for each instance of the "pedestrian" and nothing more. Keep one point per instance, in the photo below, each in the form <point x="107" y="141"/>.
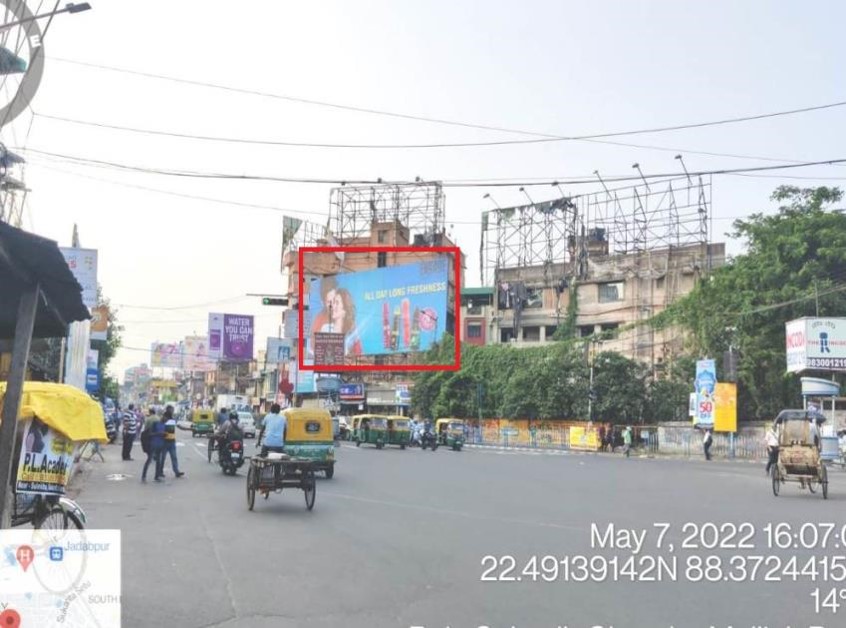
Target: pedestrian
<point x="130" y="429"/>
<point x="707" y="441"/>
<point x="152" y="441"/>
<point x="222" y="417"/>
<point x="602" y="437"/>
<point x="772" y="449"/>
<point x="170" y="441"/>
<point x="95" y="451"/>
<point x="627" y="440"/>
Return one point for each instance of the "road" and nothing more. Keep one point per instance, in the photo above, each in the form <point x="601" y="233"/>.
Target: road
<point x="397" y="539"/>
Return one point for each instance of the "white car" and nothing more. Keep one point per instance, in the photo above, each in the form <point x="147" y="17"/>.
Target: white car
<point x="247" y="424"/>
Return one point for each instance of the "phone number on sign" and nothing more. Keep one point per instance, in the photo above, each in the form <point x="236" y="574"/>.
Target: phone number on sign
<point x="647" y="568"/>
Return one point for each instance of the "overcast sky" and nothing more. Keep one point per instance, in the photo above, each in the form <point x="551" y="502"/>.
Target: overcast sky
<point x="565" y="68"/>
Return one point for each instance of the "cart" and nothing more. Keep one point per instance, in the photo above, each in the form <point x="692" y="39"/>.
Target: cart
<point x="276" y="472"/>
<point x="799" y="457"/>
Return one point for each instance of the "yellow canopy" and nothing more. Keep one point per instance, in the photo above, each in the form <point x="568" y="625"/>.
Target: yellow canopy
<point x="64" y="408"/>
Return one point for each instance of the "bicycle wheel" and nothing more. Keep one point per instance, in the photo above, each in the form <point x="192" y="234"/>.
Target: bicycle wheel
<point x="824" y="481"/>
<point x="310" y="489"/>
<point x="58" y="577"/>
<point x="251" y="489"/>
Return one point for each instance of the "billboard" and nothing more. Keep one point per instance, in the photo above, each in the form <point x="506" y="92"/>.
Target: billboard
<point x="92" y="371"/>
<point x="83" y="265"/>
<point x="231" y="337"/>
<point x="725" y="410"/>
<point x="196" y="355"/>
<point x="278" y="350"/>
<point x="816" y="343"/>
<point x="706" y="383"/>
<point x="328" y="348"/>
<point x="99" y="322"/>
<point x="165" y="355"/>
<point x="395" y="309"/>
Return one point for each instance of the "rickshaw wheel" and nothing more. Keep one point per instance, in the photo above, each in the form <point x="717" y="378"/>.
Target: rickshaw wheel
<point x="812" y="486"/>
<point x="824" y="481"/>
<point x="330" y="472"/>
<point x="309" y="489"/>
<point x="251" y="489"/>
<point x="775" y="481"/>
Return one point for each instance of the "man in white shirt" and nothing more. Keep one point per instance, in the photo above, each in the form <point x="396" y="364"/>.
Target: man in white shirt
<point x="772" y="449"/>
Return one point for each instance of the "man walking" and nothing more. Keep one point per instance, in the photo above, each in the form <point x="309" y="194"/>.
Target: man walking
<point x="130" y="429"/>
<point x="153" y="434"/>
<point x="627" y="440"/>
<point x="707" y="441"/>
<point x="170" y="441"/>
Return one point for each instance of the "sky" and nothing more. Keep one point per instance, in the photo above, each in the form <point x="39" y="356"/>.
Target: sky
<point x="563" y="68"/>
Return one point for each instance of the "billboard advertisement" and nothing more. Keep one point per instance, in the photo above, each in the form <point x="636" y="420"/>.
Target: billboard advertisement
<point x="725" y="410"/>
<point x="395" y="309"/>
<point x="165" y="355"/>
<point x="45" y="462"/>
<point x="706" y="384"/>
<point x="196" y="355"/>
<point x="92" y="371"/>
<point x="99" y="322"/>
<point x="816" y="344"/>
<point x="231" y="337"/>
<point x="278" y="350"/>
<point x="83" y="265"/>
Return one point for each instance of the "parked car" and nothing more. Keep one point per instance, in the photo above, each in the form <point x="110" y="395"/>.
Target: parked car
<point x="247" y="424"/>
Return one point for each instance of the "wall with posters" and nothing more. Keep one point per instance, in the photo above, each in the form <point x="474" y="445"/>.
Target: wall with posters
<point x="396" y="309"/>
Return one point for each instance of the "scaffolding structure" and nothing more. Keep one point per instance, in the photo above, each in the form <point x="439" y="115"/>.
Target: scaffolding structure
<point x="418" y="206"/>
<point x="13" y="191"/>
<point x="629" y="220"/>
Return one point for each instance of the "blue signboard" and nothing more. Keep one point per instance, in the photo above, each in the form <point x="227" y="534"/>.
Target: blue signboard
<point x="706" y="384"/>
<point x="92" y="380"/>
<point x="351" y="392"/>
<point x="395" y="309"/>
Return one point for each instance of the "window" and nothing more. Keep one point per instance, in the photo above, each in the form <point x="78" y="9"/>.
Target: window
<point x="659" y="283"/>
<point x="382" y="236"/>
<point x="609" y="326"/>
<point x="531" y="334"/>
<point x="506" y="335"/>
<point x="474" y="330"/>
<point x="611" y="292"/>
<point x="550" y="331"/>
<point x="381" y="259"/>
<point x="585" y="330"/>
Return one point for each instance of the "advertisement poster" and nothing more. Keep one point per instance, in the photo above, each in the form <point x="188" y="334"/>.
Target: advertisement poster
<point x="725" y="409"/>
<point x="396" y="309"/>
<point x="165" y="355"/>
<point x="351" y="392"/>
<point x="278" y="350"/>
<point x="706" y="383"/>
<point x="304" y="380"/>
<point x="583" y="438"/>
<point x="216" y="336"/>
<point x="328" y="348"/>
<point x="237" y="338"/>
<point x="83" y="265"/>
<point x="196" y="354"/>
<point x="46" y="459"/>
<point x="99" y="322"/>
<point x="816" y="344"/>
<point x="92" y="371"/>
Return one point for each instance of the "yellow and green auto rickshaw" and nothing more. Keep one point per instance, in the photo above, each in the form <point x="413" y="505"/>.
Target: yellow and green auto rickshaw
<point x="310" y="435"/>
<point x="399" y="431"/>
<point x="450" y="433"/>
<point x="202" y="422"/>
<point x="370" y="428"/>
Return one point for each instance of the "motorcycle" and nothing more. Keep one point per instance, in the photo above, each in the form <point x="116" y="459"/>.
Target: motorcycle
<point x="230" y="456"/>
<point x="429" y="440"/>
<point x="111" y="429"/>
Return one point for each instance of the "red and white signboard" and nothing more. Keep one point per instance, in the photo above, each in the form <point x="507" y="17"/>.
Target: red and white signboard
<point x="817" y="344"/>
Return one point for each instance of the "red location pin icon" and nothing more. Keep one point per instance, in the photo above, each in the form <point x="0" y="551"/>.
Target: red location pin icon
<point x="10" y="619"/>
<point x="25" y="555"/>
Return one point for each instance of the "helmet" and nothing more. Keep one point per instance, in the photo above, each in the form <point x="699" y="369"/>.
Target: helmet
<point x="233" y="416"/>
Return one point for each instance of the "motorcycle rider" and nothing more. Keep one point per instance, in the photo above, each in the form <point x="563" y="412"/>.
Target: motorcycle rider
<point x="227" y="433"/>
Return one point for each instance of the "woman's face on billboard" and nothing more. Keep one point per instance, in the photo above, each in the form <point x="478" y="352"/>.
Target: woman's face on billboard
<point x="337" y="305"/>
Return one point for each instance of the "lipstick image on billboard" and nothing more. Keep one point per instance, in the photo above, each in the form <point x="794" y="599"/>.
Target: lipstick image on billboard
<point x="386" y="325"/>
<point x="395" y="331"/>
<point x="406" y="323"/>
<point x="415" y="330"/>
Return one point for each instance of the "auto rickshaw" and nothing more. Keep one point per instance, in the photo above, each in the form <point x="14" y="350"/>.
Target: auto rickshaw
<point x="310" y="436"/>
<point x="202" y="422"/>
<point x="799" y="457"/>
<point x="450" y="433"/>
<point x="399" y="431"/>
<point x="370" y="428"/>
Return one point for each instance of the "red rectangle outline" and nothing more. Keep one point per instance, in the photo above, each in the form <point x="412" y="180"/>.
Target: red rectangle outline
<point x="456" y="253"/>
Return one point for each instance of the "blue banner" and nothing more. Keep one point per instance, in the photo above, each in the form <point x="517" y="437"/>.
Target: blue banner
<point x="706" y="384"/>
<point x="92" y="380"/>
<point x="395" y="309"/>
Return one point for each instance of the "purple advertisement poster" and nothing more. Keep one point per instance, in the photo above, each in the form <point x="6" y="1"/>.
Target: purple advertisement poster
<point x="237" y="337"/>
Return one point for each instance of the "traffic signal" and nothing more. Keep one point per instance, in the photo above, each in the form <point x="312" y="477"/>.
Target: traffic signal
<point x="274" y="301"/>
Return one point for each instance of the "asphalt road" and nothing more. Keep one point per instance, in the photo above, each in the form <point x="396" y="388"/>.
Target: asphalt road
<point x="397" y="539"/>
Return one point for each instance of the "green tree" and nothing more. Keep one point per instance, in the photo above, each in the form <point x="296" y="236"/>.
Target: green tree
<point x="794" y="266"/>
<point x="620" y="386"/>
